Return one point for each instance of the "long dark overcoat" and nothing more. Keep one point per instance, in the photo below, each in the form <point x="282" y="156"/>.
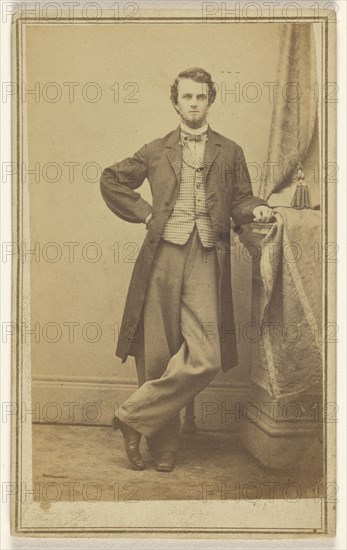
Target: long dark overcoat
<point x="228" y="195"/>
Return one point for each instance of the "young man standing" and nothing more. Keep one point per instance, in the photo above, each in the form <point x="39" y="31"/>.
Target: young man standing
<point x="178" y="320"/>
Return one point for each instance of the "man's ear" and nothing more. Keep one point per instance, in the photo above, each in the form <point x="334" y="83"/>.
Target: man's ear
<point x="175" y="107"/>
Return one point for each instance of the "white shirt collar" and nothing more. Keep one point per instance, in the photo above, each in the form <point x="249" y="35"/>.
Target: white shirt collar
<point x="194" y="131"/>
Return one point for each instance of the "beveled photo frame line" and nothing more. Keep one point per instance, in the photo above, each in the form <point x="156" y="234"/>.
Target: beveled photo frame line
<point x="179" y="519"/>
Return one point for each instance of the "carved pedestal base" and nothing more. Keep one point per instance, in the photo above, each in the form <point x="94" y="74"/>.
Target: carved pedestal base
<point x="284" y="451"/>
<point x="285" y="433"/>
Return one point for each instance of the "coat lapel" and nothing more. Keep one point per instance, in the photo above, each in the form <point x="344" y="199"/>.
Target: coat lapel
<point x="174" y="152"/>
<point x="212" y="150"/>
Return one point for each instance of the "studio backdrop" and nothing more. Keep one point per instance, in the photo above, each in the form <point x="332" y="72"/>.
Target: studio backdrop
<point x="94" y="95"/>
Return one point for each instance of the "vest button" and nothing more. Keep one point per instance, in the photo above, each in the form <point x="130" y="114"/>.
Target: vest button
<point x="167" y="203"/>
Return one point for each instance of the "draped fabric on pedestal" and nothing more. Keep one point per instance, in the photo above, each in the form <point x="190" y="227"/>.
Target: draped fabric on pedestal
<point x="294" y="125"/>
<point x="291" y="342"/>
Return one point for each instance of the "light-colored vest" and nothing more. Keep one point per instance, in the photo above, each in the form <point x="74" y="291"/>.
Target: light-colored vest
<point x="190" y="208"/>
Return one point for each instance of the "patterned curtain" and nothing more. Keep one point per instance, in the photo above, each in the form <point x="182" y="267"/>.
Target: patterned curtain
<point x="294" y="127"/>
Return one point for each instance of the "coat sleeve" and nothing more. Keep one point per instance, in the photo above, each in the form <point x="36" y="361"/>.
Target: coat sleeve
<point x="118" y="184"/>
<point x="242" y="201"/>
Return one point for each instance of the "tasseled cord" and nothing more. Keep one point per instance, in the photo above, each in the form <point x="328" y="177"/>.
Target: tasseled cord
<point x="301" y="198"/>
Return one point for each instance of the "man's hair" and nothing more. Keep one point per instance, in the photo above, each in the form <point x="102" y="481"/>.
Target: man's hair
<point x="197" y="75"/>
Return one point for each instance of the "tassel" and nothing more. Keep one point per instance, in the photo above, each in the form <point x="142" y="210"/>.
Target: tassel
<point x="301" y="197"/>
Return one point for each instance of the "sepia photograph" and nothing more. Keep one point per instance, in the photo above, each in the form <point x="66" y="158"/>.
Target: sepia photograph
<point x="174" y="254"/>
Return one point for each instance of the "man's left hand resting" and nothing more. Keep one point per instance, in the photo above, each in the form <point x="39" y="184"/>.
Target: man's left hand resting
<point x="263" y="214"/>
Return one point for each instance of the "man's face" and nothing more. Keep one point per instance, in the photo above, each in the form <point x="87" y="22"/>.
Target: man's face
<point x="192" y="102"/>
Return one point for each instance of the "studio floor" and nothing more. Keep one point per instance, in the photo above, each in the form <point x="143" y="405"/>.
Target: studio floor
<point x="89" y="463"/>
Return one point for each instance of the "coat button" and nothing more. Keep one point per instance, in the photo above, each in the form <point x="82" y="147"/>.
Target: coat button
<point x="167" y="203"/>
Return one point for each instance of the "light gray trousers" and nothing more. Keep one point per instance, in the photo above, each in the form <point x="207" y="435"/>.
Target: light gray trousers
<point x="181" y="352"/>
